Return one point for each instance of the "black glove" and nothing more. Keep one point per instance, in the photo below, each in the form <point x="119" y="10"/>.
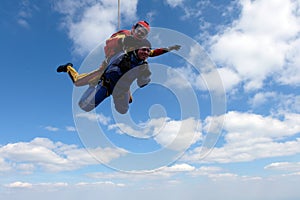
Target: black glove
<point x="174" y="47"/>
<point x="125" y="63"/>
<point x="144" y="70"/>
<point x="130" y="43"/>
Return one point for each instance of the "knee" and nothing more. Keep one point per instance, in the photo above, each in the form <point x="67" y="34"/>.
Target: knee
<point x="121" y="109"/>
<point x="78" y="83"/>
<point x="87" y="101"/>
<point x="122" y="103"/>
<point x="143" y="81"/>
<point x="86" y="106"/>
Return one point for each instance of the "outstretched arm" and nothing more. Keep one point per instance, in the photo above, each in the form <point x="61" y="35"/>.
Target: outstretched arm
<point x="160" y="51"/>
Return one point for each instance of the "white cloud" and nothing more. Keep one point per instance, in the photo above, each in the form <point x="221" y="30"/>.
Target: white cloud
<point x="49" y="186"/>
<point x="216" y="173"/>
<point x="215" y="80"/>
<point x="261" y="98"/>
<point x="226" y="187"/>
<point x="19" y="184"/>
<point x="228" y="77"/>
<point x="257" y="44"/>
<point x="67" y="128"/>
<point x="202" y="74"/>
<point x="179" y="168"/>
<point x="84" y="157"/>
<point x="290" y="74"/>
<point x="93" y="184"/>
<point x="135" y="176"/>
<point x="284" y="166"/>
<point x="70" y="128"/>
<point x="42" y="153"/>
<point x="95" y="117"/>
<point x="26" y="11"/>
<point x="183" y="78"/>
<point x="30" y="186"/>
<point x="247" y="124"/>
<point x="172" y="134"/>
<point x="51" y="128"/>
<point x="170" y="174"/>
<point x="144" y="129"/>
<point x="25" y="168"/>
<point x="250" y="136"/>
<point x="23" y="22"/>
<point x="205" y="171"/>
<point x="289" y="103"/>
<point x="89" y="23"/>
<point x="4" y="166"/>
<point x="281" y="103"/>
<point x="174" y="3"/>
<point x="179" y="135"/>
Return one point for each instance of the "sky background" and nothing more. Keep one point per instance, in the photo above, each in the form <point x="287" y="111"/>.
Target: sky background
<point x="254" y="46"/>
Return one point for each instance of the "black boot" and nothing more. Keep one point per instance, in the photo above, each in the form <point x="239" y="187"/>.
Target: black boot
<point x="63" y="68"/>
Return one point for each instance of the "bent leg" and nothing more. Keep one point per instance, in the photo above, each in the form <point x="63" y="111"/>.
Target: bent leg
<point x="91" y="78"/>
<point x="121" y="101"/>
<point x="92" y="97"/>
<point x="119" y="87"/>
<point x="144" y="75"/>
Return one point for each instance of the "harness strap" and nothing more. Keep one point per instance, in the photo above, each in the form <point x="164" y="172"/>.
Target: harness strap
<point x="106" y="83"/>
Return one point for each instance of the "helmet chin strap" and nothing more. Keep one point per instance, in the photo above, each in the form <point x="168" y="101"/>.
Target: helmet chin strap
<point x="135" y="53"/>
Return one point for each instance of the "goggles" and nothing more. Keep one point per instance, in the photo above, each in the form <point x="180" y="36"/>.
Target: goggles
<point x="145" y="49"/>
<point x="140" y="32"/>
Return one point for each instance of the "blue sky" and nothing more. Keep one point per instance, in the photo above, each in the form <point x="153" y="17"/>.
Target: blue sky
<point x="235" y="82"/>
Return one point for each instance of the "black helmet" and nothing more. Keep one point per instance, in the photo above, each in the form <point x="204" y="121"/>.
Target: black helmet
<point x="143" y="43"/>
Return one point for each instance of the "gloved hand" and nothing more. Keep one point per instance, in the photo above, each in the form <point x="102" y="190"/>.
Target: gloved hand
<point x="174" y="47"/>
<point x="130" y="43"/>
<point x="125" y="63"/>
